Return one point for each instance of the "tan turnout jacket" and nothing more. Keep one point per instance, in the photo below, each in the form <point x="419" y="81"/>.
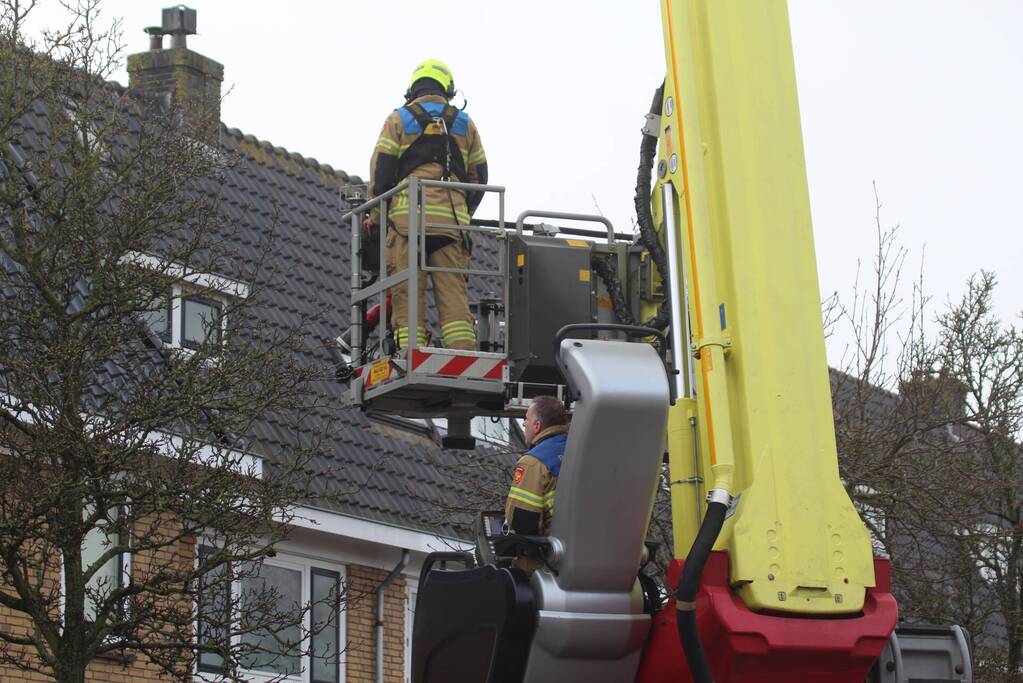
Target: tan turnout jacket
<point x="533" y="486"/>
<point x="442" y="205"/>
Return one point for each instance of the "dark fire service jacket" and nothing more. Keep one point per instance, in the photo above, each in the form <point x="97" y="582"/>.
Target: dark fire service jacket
<point x="530" y="506"/>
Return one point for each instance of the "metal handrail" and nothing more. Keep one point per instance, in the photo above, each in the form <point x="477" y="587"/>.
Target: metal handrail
<point x="590" y="218"/>
<point x="455" y="185"/>
<point x="369" y="204"/>
<point x="418" y="227"/>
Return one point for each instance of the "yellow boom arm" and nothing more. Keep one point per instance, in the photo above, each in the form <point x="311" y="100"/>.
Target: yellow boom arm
<point x="731" y="152"/>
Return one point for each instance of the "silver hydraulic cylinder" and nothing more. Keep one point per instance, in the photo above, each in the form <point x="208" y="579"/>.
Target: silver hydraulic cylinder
<point x="591" y="624"/>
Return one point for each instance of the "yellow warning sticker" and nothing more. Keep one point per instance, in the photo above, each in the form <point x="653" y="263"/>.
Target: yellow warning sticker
<point x="520" y="260"/>
<point x="577" y="243"/>
<point x="584" y="275"/>
<point x="380" y="370"/>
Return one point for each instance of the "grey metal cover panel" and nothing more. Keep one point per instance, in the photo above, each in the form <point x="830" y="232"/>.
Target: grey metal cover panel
<point x="550" y="286"/>
<point x="591" y="624"/>
<point x="925" y="653"/>
<point x="609" y="473"/>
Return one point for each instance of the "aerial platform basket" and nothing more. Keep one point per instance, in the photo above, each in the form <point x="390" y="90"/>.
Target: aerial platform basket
<point x="422" y="381"/>
<point x="539" y="284"/>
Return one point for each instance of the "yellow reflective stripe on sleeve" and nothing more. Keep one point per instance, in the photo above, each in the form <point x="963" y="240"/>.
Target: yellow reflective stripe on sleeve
<point x="477" y="157"/>
<point x="524" y="496"/>
<point x="387" y="145"/>
<point x="548" y="500"/>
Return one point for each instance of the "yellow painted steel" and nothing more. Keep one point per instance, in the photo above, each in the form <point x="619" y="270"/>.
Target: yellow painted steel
<point x="687" y="489"/>
<point x="733" y="151"/>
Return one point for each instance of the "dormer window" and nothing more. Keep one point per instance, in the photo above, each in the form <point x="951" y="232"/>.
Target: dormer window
<point x="188" y="318"/>
<point x="193" y="312"/>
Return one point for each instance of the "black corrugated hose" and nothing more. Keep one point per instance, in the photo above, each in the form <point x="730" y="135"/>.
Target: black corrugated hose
<point x="647" y="234"/>
<point x="606" y="267"/>
<point x="685" y="596"/>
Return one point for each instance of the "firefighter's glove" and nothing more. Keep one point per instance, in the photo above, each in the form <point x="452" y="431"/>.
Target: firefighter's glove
<point x="369" y="228"/>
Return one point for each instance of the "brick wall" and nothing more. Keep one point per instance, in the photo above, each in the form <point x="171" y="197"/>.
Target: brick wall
<point x="359" y="617"/>
<point x="109" y="669"/>
<point x="360" y="609"/>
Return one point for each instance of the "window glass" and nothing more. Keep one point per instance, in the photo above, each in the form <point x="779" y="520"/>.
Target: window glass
<point x="326" y="588"/>
<point x="275" y="649"/>
<point x="214" y="611"/>
<point x="493" y="430"/>
<point x="158" y="318"/>
<point x="200" y="322"/>
<point x="99" y="540"/>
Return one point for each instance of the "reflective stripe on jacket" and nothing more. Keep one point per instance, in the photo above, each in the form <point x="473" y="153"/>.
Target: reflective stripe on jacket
<point x="441" y="205"/>
<point x="535" y="482"/>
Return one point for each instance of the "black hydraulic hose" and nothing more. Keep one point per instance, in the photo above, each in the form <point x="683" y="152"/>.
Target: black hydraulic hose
<point x="685" y="596"/>
<point x="644" y="217"/>
<point x="606" y="270"/>
<point x="605" y="266"/>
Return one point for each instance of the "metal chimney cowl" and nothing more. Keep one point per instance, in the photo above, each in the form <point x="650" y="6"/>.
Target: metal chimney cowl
<point x="178" y="22"/>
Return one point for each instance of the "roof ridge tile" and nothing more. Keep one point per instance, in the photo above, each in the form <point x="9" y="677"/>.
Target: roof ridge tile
<point x="249" y="143"/>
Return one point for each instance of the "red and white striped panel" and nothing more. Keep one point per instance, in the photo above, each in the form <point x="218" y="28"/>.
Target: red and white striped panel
<point x="447" y="364"/>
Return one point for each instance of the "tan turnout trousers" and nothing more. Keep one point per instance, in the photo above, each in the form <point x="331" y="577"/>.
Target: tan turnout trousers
<point x="456" y="327"/>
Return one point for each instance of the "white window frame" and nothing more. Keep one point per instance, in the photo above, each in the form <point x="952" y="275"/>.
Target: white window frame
<point x="191" y="283"/>
<point x="989" y="550"/>
<point x="123" y="559"/>
<point x="177" y="314"/>
<point x="304" y="565"/>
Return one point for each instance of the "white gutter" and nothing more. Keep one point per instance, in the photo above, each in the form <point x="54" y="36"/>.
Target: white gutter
<point x="371" y="531"/>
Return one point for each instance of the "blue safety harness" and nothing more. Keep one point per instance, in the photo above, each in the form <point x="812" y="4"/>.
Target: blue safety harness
<point x="436" y="143"/>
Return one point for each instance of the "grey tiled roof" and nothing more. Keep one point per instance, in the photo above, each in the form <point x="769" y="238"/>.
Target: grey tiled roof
<point x="388" y="474"/>
<point x="391" y="475"/>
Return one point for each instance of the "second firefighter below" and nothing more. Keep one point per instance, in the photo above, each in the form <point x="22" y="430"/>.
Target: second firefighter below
<point x="430" y="139"/>
<point x="530" y="506"/>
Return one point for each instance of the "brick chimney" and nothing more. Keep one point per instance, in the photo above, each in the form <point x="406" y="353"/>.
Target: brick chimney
<point x="190" y="81"/>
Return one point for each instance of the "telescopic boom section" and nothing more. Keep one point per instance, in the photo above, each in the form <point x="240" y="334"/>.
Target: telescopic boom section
<point x="731" y="140"/>
<point x="732" y="195"/>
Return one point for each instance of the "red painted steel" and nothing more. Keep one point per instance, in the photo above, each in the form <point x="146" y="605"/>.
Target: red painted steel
<point x="747" y="647"/>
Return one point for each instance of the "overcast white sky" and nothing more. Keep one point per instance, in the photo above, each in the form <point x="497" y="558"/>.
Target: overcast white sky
<point x="921" y="96"/>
